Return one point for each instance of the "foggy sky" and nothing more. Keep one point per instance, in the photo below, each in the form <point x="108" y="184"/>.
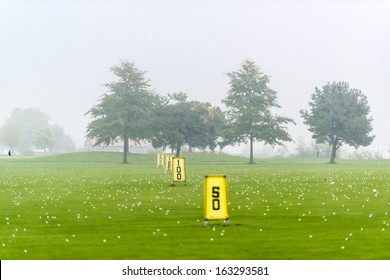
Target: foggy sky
<point x="55" y="55"/>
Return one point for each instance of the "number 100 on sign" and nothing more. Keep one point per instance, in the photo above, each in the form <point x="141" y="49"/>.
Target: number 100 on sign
<point x="178" y="169"/>
<point x="215" y="198"/>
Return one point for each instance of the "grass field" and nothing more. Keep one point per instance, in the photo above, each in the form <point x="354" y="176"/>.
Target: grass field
<point x="89" y="206"/>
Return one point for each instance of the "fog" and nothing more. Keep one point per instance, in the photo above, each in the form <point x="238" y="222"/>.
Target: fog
<point x="55" y="55"/>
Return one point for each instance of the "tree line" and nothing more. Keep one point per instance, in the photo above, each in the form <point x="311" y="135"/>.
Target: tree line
<point x="28" y="129"/>
<point x="131" y="110"/>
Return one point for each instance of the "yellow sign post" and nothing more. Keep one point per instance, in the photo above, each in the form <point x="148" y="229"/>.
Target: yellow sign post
<point x="160" y="159"/>
<point x="178" y="170"/>
<point x="215" y="198"/>
<point x="168" y="163"/>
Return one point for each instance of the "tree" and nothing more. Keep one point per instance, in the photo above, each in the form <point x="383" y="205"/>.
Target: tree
<point x="339" y="115"/>
<point x="18" y="130"/>
<point x="179" y="122"/>
<point x="29" y="128"/>
<point x="62" y="142"/>
<point x="10" y="136"/>
<point x="207" y="122"/>
<point x="249" y="103"/>
<point x="125" y="112"/>
<point x="216" y="121"/>
<point x="43" y="139"/>
<point x="53" y="139"/>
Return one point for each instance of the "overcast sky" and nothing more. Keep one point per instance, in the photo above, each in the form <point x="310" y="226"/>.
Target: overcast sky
<point x="55" y="55"/>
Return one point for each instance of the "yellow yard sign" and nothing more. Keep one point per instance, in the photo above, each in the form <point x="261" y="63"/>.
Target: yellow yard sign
<point x="168" y="163"/>
<point x="160" y="159"/>
<point x="215" y="198"/>
<point x="178" y="169"/>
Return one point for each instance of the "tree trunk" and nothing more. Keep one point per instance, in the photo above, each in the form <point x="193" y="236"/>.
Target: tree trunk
<point x="333" y="155"/>
<point x="178" y="151"/>
<point x="251" y="149"/>
<point x="125" y="147"/>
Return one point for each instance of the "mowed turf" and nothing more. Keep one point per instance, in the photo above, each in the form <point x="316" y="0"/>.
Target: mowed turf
<point x="90" y="206"/>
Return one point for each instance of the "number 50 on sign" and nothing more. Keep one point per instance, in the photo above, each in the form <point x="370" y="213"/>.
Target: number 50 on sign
<point x="215" y="198"/>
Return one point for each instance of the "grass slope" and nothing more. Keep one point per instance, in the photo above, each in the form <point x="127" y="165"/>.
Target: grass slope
<point x="89" y="206"/>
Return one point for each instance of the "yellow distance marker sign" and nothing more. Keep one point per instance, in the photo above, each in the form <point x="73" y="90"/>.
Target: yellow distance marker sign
<point x="160" y="159"/>
<point x="178" y="169"/>
<point x="215" y="198"/>
<point x="168" y="163"/>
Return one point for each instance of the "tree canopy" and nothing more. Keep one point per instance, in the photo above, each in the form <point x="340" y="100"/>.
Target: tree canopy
<point x="180" y="122"/>
<point x="131" y="110"/>
<point x="339" y="115"/>
<point x="30" y="128"/>
<point x="125" y="112"/>
<point x="249" y="109"/>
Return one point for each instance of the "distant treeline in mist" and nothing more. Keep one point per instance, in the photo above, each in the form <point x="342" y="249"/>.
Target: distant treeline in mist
<point x="28" y="131"/>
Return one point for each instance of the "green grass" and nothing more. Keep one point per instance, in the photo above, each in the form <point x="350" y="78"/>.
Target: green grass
<point x="90" y="206"/>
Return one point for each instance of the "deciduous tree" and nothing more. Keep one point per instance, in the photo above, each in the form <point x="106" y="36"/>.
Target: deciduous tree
<point x="125" y="112"/>
<point x="339" y="115"/>
<point x="180" y="122"/>
<point x="19" y="129"/>
<point x="249" y="109"/>
<point x="43" y="139"/>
